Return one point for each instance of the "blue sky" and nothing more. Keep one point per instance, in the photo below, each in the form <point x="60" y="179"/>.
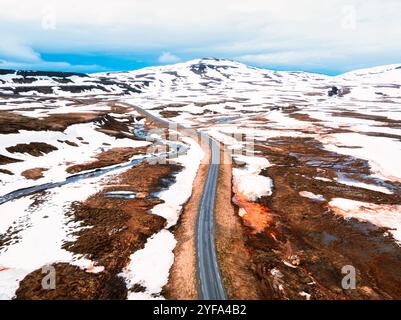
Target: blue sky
<point x="331" y="36"/>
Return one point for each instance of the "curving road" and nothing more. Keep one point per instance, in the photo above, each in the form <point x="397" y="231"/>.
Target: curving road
<point x="210" y="284"/>
<point x="209" y="277"/>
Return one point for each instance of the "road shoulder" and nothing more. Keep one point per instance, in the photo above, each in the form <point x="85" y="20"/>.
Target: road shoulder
<point x="233" y="257"/>
<point x="182" y="282"/>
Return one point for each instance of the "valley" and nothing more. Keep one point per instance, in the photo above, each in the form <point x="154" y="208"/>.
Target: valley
<point x="102" y="176"/>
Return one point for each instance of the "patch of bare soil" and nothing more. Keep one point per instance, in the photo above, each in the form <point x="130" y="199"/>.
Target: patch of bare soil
<point x="357" y="115"/>
<point x="116" y="227"/>
<point x="303" y="249"/>
<point x="303" y="117"/>
<point x="12" y="122"/>
<point x="108" y="158"/>
<point x="114" y="128"/>
<point x="170" y="105"/>
<point x="5" y="171"/>
<point x="233" y="256"/>
<point x="7" y="160"/>
<point x="72" y="283"/>
<point x="116" y="107"/>
<point x="35" y="149"/>
<point x="33" y="174"/>
<point x="70" y="143"/>
<point x="380" y="134"/>
<point x="311" y="94"/>
<point x="169" y="114"/>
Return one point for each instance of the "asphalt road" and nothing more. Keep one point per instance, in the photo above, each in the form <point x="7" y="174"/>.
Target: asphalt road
<point x="210" y="284"/>
<point x="209" y="277"/>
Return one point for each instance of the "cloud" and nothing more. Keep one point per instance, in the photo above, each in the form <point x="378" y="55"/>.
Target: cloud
<point x="167" y="57"/>
<point x="263" y="31"/>
<point x="10" y="48"/>
<point x="16" y="55"/>
<point x="47" y="65"/>
<point x="288" y="58"/>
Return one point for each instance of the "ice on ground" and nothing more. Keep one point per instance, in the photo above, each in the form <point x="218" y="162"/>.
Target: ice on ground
<point x="150" y="266"/>
<point x="353" y="183"/>
<point x="56" y="162"/>
<point x="386" y="216"/>
<point x="225" y="139"/>
<point x="282" y="120"/>
<point x="306" y="295"/>
<point x="383" y="154"/>
<point x="180" y="191"/>
<point x="312" y="196"/>
<point x="247" y="180"/>
<point x="41" y="230"/>
<point x="323" y="179"/>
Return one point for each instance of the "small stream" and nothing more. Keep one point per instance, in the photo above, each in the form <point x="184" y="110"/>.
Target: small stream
<point x="177" y="150"/>
<point x="227" y="119"/>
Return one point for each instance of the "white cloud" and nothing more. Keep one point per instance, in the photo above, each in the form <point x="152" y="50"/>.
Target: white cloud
<point x="263" y="31"/>
<point x="19" y="51"/>
<point x="46" y="65"/>
<point x="167" y="57"/>
<point x="40" y="64"/>
<point x="289" y="58"/>
<point x="292" y="59"/>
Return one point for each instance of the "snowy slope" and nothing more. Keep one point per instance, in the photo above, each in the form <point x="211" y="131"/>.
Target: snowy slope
<point x="59" y="83"/>
<point x="208" y="80"/>
<point x="383" y="72"/>
<point x="215" y="76"/>
<point x="208" y="76"/>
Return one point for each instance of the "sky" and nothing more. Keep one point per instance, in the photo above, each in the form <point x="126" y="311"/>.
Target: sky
<point x="331" y="36"/>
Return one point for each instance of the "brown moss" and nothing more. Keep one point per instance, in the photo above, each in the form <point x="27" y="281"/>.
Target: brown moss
<point x="33" y="174"/>
<point x="35" y="149"/>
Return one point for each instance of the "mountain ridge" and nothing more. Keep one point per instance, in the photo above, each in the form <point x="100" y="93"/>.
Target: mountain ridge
<point x="198" y="74"/>
<point x="379" y="68"/>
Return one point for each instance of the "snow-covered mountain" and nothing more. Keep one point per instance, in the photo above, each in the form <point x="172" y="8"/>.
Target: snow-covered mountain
<point x="373" y="72"/>
<point x="209" y="72"/>
<point x="218" y="78"/>
<point x="60" y="83"/>
<point x="213" y="76"/>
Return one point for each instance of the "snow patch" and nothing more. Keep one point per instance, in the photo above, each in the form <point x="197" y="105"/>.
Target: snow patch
<point x="247" y="180"/>
<point x="312" y="196"/>
<point x="179" y="192"/>
<point x="386" y="216"/>
<point x="150" y="266"/>
<point x="42" y="229"/>
<point x="382" y="153"/>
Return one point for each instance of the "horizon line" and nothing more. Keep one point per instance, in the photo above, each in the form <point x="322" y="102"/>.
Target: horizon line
<point x="283" y="69"/>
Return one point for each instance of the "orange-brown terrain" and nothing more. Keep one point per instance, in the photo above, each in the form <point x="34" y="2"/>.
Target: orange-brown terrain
<point x="298" y="246"/>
